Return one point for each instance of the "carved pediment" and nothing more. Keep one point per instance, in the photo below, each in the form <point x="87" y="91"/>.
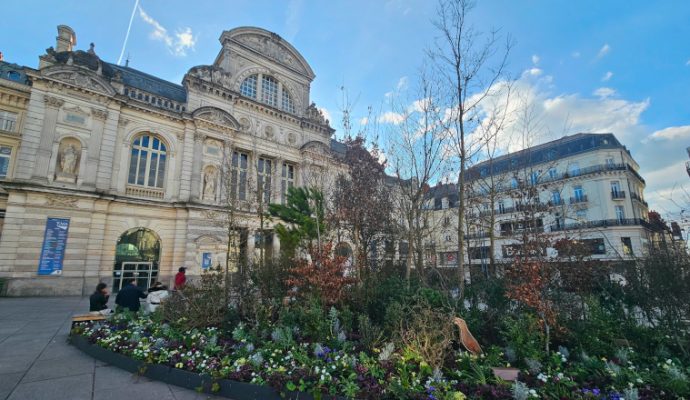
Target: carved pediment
<point x="216" y="116"/>
<point x="271" y="46"/>
<point x="213" y="74"/>
<point x="80" y="78"/>
<point x="316" y="147"/>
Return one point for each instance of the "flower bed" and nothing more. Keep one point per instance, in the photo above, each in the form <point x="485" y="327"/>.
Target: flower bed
<point x="242" y="367"/>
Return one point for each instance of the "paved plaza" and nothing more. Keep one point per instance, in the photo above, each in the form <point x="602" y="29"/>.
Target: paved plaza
<point x="36" y="362"/>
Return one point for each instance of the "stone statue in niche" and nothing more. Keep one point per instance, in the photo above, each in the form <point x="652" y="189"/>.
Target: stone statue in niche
<point x="210" y="184"/>
<point x="68" y="160"/>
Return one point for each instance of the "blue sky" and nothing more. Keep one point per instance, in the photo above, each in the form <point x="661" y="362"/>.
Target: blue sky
<point x="618" y="66"/>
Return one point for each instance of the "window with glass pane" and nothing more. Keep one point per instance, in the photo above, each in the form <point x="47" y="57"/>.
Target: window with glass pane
<point x="288" y="104"/>
<point x="263" y="179"/>
<point x="556" y="197"/>
<point x="287" y="180"/>
<point x="553" y="173"/>
<point x="534" y="178"/>
<point x="620" y="213"/>
<point x="269" y="90"/>
<point x="147" y="162"/>
<point x="574" y="169"/>
<point x="238" y="176"/>
<point x="8" y="121"/>
<point x="248" y="87"/>
<point x="579" y="193"/>
<point x="5" y="153"/>
<point x="615" y="188"/>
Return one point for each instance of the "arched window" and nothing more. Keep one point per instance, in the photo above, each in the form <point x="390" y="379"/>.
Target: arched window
<point x="248" y="87"/>
<point x="266" y="89"/>
<point x="288" y="104"/>
<point x="269" y="90"/>
<point x="147" y="163"/>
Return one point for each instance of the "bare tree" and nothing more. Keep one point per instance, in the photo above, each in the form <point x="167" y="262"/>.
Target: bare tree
<point x="469" y="63"/>
<point x="416" y="158"/>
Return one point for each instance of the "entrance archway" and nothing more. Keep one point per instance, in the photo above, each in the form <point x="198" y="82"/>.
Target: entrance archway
<point x="137" y="256"/>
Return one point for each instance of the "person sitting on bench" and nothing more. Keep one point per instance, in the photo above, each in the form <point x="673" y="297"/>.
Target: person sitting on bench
<point x="98" y="302"/>
<point x="128" y="297"/>
<point x="157" y="293"/>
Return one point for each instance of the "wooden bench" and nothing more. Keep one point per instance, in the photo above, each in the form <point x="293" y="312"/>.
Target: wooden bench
<point x="87" y="317"/>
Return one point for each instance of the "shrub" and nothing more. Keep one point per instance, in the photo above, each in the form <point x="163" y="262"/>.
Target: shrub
<point x="428" y="332"/>
<point x="201" y="304"/>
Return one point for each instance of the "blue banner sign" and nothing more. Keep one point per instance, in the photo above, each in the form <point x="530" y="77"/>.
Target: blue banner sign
<point x="54" y="243"/>
<point x="205" y="260"/>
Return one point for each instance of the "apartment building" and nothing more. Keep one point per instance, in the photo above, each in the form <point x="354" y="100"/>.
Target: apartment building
<point x="584" y="187"/>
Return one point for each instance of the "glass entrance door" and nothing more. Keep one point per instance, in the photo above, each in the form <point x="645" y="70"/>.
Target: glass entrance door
<point x="144" y="272"/>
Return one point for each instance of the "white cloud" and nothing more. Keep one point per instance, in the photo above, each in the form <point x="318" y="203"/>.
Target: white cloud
<point x="607" y="76"/>
<point x="575" y="54"/>
<point x="670" y="133"/>
<point x="179" y="44"/>
<point x="604" y="92"/>
<point x="390" y="117"/>
<point x="402" y="83"/>
<point x="363" y="121"/>
<point x="687" y="63"/>
<point x="293" y="19"/>
<point x="533" y="71"/>
<point x="535" y="59"/>
<point x="605" y="49"/>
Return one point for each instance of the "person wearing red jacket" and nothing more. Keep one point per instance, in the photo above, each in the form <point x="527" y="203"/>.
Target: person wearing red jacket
<point x="180" y="278"/>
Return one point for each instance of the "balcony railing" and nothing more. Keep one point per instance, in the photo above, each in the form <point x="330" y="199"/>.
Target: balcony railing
<point x="618" y="195"/>
<point x="578" y="199"/>
<point x="151" y="193"/>
<point x="604" y="223"/>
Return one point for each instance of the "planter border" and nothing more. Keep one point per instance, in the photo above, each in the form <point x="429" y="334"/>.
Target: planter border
<point x="187" y="379"/>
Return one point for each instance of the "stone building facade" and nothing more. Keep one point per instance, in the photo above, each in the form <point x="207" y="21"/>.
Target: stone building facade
<point x="137" y="169"/>
<point x="584" y="187"/>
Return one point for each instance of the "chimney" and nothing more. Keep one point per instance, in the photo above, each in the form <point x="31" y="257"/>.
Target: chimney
<point x="66" y="39"/>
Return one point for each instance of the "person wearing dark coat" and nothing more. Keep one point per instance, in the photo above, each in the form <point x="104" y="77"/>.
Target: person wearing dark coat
<point x="98" y="302"/>
<point x="128" y="297"/>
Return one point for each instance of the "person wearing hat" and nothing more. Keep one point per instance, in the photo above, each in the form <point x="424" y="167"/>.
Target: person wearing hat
<point x="180" y="278"/>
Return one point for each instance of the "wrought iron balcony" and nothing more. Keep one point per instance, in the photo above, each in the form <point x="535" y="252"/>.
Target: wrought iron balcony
<point x="618" y="195"/>
<point x="579" y="199"/>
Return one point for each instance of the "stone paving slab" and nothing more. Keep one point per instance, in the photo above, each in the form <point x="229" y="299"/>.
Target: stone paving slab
<point x="37" y="363"/>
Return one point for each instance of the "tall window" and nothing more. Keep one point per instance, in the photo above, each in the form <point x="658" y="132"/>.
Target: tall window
<point x="620" y="213"/>
<point x="553" y="173"/>
<point x="556" y="197"/>
<point x="534" y="178"/>
<point x="263" y="179"/>
<point x="8" y="121"/>
<point x="248" y="87"/>
<point x="615" y="189"/>
<point x="238" y="176"/>
<point x="574" y="169"/>
<point x="288" y="104"/>
<point x="513" y="183"/>
<point x="5" y="153"/>
<point x="269" y="90"/>
<point x="627" y="246"/>
<point x="501" y="207"/>
<point x="579" y="194"/>
<point x="287" y="180"/>
<point x="147" y="162"/>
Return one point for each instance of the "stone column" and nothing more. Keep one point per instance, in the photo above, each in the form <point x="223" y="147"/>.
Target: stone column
<point x="47" y="136"/>
<point x="196" y="165"/>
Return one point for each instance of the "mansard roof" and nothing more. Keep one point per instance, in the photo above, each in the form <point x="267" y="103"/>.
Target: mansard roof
<point x="566" y="146"/>
<point x="151" y="84"/>
<point x="13" y="72"/>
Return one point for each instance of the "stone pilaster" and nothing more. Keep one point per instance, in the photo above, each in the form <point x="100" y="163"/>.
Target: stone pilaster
<point x="43" y="155"/>
<point x="188" y="154"/>
<point x="94" y="145"/>
<point x="196" y="165"/>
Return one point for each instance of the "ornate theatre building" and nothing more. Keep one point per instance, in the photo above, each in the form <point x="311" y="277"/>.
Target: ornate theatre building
<point x="107" y="172"/>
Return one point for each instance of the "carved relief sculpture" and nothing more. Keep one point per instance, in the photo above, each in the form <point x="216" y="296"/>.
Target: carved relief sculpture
<point x="69" y="153"/>
<point x="210" y="178"/>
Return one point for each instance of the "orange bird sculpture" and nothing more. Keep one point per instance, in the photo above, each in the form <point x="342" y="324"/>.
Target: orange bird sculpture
<point x="466" y="338"/>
